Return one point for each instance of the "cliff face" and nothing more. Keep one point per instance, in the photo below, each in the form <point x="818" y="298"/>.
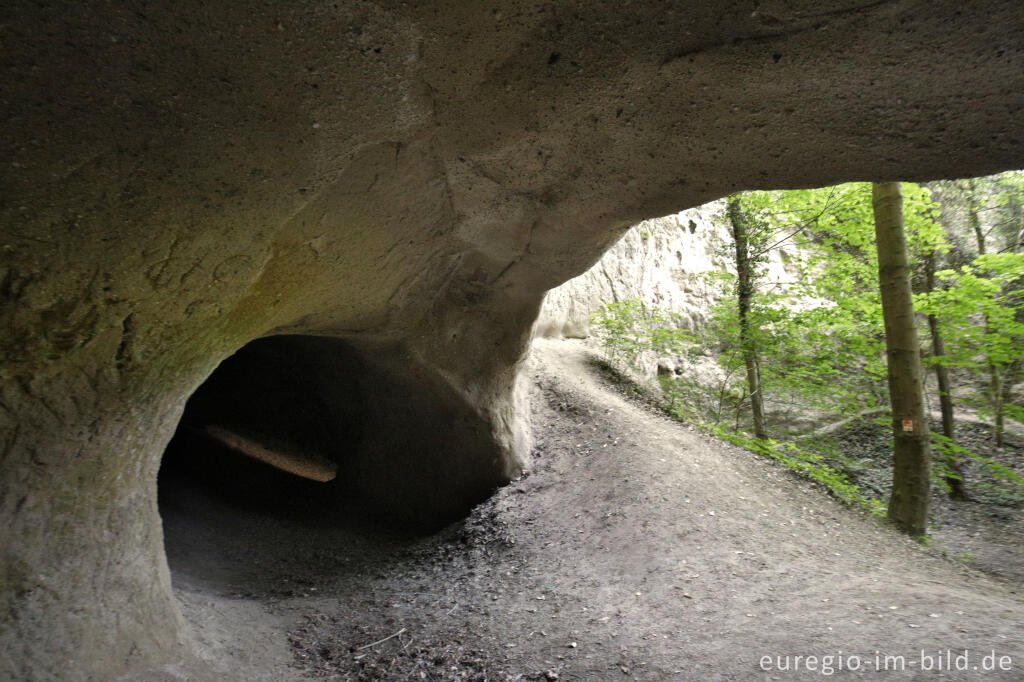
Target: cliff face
<point x="406" y="179"/>
<point x="663" y="262"/>
<point x="660" y="261"/>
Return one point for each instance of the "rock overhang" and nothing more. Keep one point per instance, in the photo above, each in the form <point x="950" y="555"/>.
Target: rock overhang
<point x="408" y="177"/>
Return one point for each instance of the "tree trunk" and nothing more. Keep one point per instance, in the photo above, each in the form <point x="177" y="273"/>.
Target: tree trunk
<point x="995" y="388"/>
<point x="911" y="479"/>
<point x="973" y="217"/>
<point x="1018" y="247"/>
<point x="957" y="485"/>
<point x="744" y="295"/>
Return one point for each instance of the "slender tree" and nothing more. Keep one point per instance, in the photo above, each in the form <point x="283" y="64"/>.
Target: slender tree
<point x="955" y="479"/>
<point x="744" y="296"/>
<point x="911" y="481"/>
<point x="995" y="388"/>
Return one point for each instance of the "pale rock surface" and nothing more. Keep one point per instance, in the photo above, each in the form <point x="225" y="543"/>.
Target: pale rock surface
<point x="663" y="262"/>
<point x="659" y="261"/>
<point x="404" y="180"/>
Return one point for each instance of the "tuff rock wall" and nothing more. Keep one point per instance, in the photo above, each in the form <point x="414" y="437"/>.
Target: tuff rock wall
<point x="182" y="178"/>
<point x="662" y="262"/>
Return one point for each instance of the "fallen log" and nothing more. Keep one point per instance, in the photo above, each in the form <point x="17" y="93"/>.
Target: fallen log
<point x="306" y="465"/>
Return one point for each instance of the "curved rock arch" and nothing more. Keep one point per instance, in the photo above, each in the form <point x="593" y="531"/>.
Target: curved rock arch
<point x="185" y="179"/>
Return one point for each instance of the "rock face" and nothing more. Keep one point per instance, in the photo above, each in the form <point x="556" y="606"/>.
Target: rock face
<point x="663" y="262"/>
<point x="408" y="179"/>
<point x="660" y="261"/>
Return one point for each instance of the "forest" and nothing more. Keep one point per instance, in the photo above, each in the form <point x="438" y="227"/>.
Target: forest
<point x="887" y="365"/>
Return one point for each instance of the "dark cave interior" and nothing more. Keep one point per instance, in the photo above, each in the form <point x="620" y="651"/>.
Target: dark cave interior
<point x="389" y="434"/>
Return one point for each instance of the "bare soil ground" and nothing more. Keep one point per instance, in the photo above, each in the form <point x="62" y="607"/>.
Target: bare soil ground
<point x="634" y="549"/>
<point x="987" y="531"/>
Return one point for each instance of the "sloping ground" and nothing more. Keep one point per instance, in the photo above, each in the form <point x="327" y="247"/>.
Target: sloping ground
<point x="987" y="530"/>
<point x="635" y="549"/>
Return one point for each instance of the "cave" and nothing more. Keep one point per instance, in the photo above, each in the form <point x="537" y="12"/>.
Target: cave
<point x="384" y="192"/>
<point x="263" y="434"/>
<point x="299" y="455"/>
<point x="315" y="429"/>
<point x="252" y="473"/>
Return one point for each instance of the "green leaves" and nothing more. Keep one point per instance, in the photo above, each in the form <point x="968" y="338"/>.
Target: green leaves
<point x="631" y="328"/>
<point x="819" y="335"/>
<point x="979" y="311"/>
<point x="804" y="463"/>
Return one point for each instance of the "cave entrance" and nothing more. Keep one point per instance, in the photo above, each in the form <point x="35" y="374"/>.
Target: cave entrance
<point x="273" y="425"/>
<point x="262" y="462"/>
<point x="298" y="447"/>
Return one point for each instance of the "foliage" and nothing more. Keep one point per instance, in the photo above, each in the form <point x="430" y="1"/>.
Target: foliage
<point x="806" y="464"/>
<point x="984" y="307"/>
<point x="981" y="314"/>
<point x="997" y="201"/>
<point x="945" y="447"/>
<point x="820" y="337"/>
<point x="631" y="328"/>
<point x="974" y="292"/>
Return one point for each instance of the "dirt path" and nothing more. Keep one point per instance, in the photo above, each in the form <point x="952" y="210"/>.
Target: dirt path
<point x="635" y="549"/>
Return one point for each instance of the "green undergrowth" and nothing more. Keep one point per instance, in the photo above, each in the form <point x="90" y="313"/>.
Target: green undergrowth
<point x="804" y="463"/>
<point x="946" y="448"/>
